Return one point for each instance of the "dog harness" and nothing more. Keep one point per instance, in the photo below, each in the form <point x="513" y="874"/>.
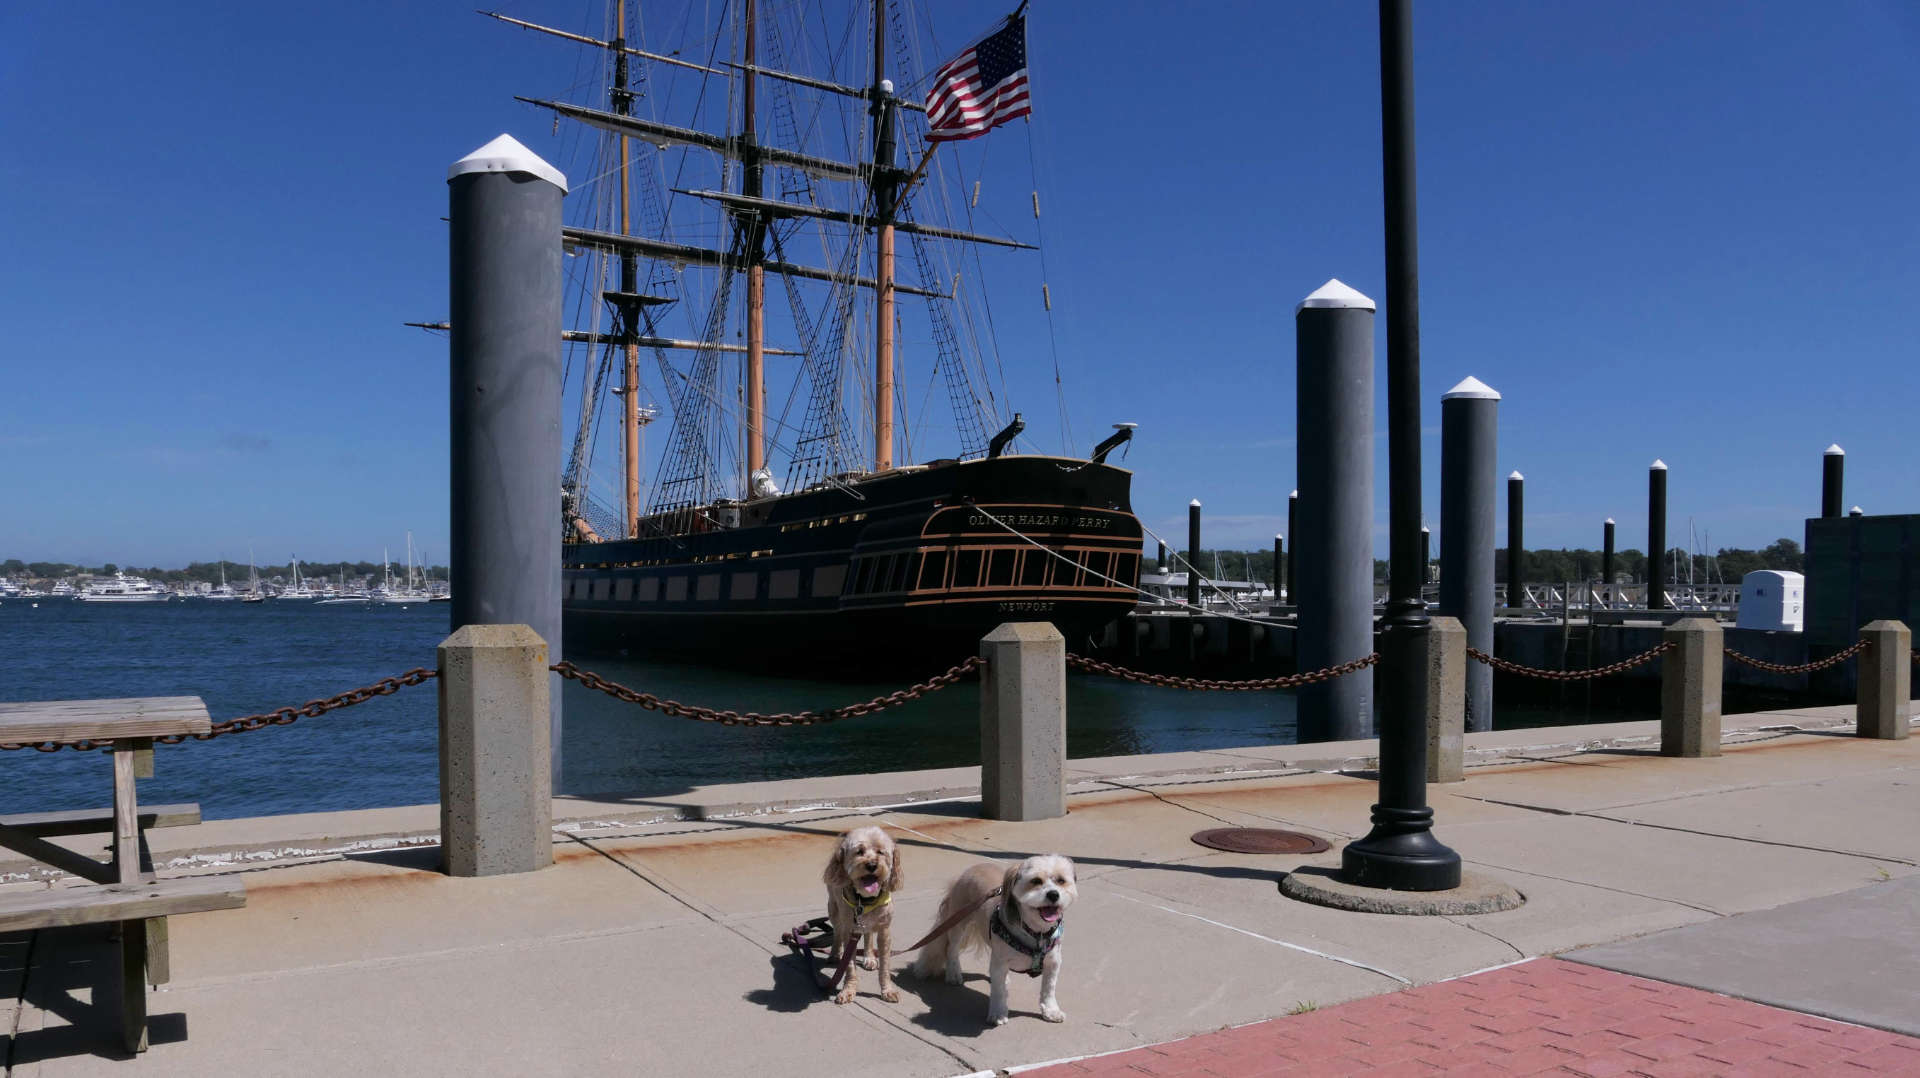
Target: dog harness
<point x="1015" y="935"/>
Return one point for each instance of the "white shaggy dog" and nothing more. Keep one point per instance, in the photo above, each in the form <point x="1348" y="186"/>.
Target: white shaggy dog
<point x="1021" y="929"/>
<point x="861" y="876"/>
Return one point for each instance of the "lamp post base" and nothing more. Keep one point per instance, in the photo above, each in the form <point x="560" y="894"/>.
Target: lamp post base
<point x="1401" y="854"/>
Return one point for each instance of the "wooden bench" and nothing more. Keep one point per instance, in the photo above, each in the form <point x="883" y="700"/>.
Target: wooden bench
<point x="61" y="907"/>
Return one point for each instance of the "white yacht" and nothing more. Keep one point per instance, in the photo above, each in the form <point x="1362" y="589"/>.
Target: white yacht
<point x="62" y="589"/>
<point x="299" y="589"/>
<point x="123" y="589"/>
<point x="413" y="592"/>
<point x="225" y="592"/>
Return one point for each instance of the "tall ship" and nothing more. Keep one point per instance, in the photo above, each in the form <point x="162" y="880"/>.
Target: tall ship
<point x="810" y="508"/>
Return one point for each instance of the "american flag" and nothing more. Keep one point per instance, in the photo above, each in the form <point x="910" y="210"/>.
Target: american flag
<point x="981" y="88"/>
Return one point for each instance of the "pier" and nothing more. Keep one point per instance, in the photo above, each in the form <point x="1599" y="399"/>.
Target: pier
<point x="652" y="943"/>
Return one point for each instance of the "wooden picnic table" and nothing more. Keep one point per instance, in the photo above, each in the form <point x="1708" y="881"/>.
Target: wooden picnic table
<point x="124" y="889"/>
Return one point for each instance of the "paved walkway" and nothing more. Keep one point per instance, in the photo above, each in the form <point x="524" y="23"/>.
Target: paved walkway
<point x="1545" y="1016"/>
<point x="652" y="944"/>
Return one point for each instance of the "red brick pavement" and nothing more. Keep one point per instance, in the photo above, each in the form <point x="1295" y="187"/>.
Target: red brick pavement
<point x="1545" y="1016"/>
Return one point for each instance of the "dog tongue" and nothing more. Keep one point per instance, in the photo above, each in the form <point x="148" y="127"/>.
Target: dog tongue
<point x="870" y="886"/>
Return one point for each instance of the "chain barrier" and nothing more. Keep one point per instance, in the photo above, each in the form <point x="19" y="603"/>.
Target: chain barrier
<point x="284" y="716"/>
<point x="1570" y="675"/>
<point x="591" y="680"/>
<point x="1290" y="681"/>
<point x="1835" y="659"/>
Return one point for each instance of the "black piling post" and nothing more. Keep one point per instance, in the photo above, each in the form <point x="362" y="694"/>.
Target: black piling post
<point x="1293" y="529"/>
<point x="1606" y="563"/>
<point x="1193" y="552"/>
<point x="1516" y="541"/>
<point x="1279" y="560"/>
<point x="1833" y="473"/>
<point x="1469" y="428"/>
<point x="1657" y="536"/>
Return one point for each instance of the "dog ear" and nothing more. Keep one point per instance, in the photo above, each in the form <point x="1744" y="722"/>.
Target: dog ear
<point x="1010" y="884"/>
<point x="835" y="876"/>
<point x="893" y="866"/>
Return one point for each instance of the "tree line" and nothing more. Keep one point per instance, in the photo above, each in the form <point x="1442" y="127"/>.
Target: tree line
<point x="199" y="571"/>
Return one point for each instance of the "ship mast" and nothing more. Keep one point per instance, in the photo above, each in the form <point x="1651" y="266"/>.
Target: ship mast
<point x="885" y="182"/>
<point x="756" y="234"/>
<point x="629" y="271"/>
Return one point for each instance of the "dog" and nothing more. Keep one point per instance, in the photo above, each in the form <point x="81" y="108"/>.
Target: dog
<point x="861" y="877"/>
<point x="1021" y="928"/>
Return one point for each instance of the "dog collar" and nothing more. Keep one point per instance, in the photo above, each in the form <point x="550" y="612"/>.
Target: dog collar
<point x="863" y="906"/>
<point x="1015" y="935"/>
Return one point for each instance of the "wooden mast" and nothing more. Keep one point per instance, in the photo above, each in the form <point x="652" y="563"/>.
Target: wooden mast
<point x="629" y="310"/>
<point x="750" y="185"/>
<point x="884" y="186"/>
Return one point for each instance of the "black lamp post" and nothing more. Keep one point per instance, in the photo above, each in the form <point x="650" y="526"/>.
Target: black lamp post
<point x="1401" y="852"/>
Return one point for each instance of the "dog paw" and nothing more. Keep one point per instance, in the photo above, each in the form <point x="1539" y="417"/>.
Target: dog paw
<point x="1053" y="1014"/>
<point x="997" y="1019"/>
<point x="954" y="976"/>
<point x="891" y="995"/>
<point x="869" y="963"/>
<point x="845" y="996"/>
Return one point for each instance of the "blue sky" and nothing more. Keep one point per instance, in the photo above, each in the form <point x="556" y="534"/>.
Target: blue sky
<point x="1678" y="231"/>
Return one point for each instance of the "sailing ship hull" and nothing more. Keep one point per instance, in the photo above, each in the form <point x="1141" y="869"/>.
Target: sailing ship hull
<point x="898" y="574"/>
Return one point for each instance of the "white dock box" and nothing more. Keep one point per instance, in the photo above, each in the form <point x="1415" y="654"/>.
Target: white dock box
<point x="1771" y="599"/>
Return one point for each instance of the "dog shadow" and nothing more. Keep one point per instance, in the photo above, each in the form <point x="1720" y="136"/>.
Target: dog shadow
<point x="955" y="1010"/>
<point x="795" y="986"/>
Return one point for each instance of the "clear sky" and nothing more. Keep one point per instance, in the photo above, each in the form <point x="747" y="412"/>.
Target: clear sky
<point x="1683" y="231"/>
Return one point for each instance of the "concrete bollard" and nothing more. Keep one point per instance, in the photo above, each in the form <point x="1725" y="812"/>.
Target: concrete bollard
<point x="1446" y="699"/>
<point x="496" y="779"/>
<point x="1690" y="688"/>
<point x="1023" y="722"/>
<point x="1886" y="681"/>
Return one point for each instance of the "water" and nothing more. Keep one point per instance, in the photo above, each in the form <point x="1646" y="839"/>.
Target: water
<point x="244" y="658"/>
<point x="250" y="657"/>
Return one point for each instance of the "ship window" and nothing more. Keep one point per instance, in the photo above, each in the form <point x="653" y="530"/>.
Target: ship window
<point x="783" y="584"/>
<point x="676" y="588"/>
<point x="650" y="589"/>
<point x="744" y="586"/>
<point x="828" y="580"/>
<point x="904" y="568"/>
<point x="623" y="590"/>
<point x="1000" y="568"/>
<point x="601" y="588"/>
<point x="707" y="588"/>
<point x="1126" y="569"/>
<point x="1033" y="571"/>
<point x="966" y="569"/>
<point x="580" y="587"/>
<point x="1098" y="561"/>
<point x="862" y="576"/>
<point x="933" y="569"/>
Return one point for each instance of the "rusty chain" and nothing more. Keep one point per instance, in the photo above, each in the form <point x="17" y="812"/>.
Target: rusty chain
<point x="1570" y="675"/>
<point x="1835" y="659"/>
<point x="591" y="680"/>
<point x="284" y="716"/>
<point x="1290" y="681"/>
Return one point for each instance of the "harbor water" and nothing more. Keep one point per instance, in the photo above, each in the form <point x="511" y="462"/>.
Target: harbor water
<point x="243" y="658"/>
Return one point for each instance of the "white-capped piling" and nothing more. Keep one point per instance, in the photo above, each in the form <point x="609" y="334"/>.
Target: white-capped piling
<point x="504" y="366"/>
<point x="1333" y="540"/>
<point x="1469" y="425"/>
<point x="1657" y="535"/>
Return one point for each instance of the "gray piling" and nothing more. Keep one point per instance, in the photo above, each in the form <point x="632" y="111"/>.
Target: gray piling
<point x="1333" y="544"/>
<point x="505" y="374"/>
<point x="1606" y="563"/>
<point x="1293" y="529"/>
<point x="1469" y="423"/>
<point x="1657" y="536"/>
<point x="1886" y="681"/>
<point x="1516" y="541"/>
<point x="496" y="785"/>
<point x="1193" y="552"/>
<point x="1833" y="467"/>
<point x="1160" y="556"/>
<point x="1023" y="722"/>
<point x="1279" y="560"/>
<point x="1426" y="558"/>
<point x="1690" y="688"/>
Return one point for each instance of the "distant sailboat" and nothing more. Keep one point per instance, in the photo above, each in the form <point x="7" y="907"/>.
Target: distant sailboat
<point x="225" y="592"/>
<point x="410" y="593"/>
<point x="299" y="589"/>
<point x="253" y="595"/>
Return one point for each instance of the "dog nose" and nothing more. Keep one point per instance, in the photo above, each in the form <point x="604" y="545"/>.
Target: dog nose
<point x="870" y="865"/>
<point x="1053" y="896"/>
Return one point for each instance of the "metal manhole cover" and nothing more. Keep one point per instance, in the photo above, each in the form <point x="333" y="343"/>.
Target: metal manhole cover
<point x="1259" y="840"/>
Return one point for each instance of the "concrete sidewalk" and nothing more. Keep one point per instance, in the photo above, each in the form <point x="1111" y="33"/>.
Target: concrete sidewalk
<point x="652" y="945"/>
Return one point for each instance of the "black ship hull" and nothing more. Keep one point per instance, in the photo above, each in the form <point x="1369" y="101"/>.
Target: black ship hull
<point x="899" y="574"/>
